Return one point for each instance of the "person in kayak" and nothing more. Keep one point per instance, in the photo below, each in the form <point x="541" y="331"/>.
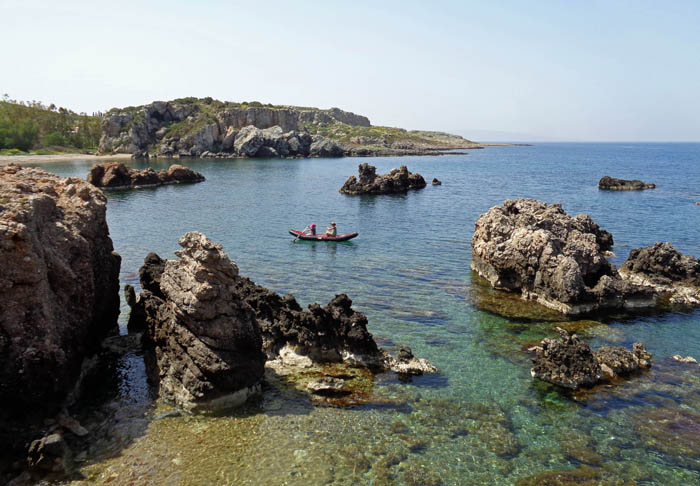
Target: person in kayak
<point x="330" y="230"/>
<point x="310" y="230"/>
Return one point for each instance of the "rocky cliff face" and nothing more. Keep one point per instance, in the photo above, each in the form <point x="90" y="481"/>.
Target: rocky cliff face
<point x="202" y="342"/>
<point x="116" y="175"/>
<point x="190" y="128"/>
<point x="211" y="128"/>
<point x="537" y="249"/>
<point x="397" y="181"/>
<point x="668" y="271"/>
<point x="59" y="288"/>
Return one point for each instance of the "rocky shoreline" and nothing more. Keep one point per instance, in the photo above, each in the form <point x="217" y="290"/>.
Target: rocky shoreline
<point x="191" y="127"/>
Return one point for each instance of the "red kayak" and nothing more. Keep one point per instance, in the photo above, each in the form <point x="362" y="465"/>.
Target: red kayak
<point x="322" y="237"/>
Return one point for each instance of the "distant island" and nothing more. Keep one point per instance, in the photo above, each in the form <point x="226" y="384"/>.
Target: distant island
<point x="205" y="127"/>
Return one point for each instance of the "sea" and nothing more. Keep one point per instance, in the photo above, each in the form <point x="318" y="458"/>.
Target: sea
<point x="482" y="419"/>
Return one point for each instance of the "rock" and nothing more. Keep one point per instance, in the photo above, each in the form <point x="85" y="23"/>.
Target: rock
<point x="687" y="359"/>
<point x="48" y="454"/>
<point x="436" y="182"/>
<point x="327" y="386"/>
<point x="568" y="362"/>
<point x="667" y="271"/>
<point x="248" y="141"/>
<point x="68" y="422"/>
<point x="116" y="175"/>
<point x="396" y="181"/>
<point x="540" y="251"/>
<point x="202" y="342"/>
<point x="59" y="288"/>
<point x="612" y="184"/>
<point x="322" y="147"/>
<point x="407" y="364"/>
<point x="334" y="333"/>
<point x="616" y="361"/>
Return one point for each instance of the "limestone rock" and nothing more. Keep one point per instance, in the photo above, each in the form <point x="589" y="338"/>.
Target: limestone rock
<point x="667" y="270"/>
<point x="116" y="175"/>
<point x="202" y="342"/>
<point x="407" y="364"/>
<point x="568" y="362"/>
<point x="612" y="184"/>
<point x="327" y="386"/>
<point x="540" y="251"/>
<point x="59" y="288"/>
<point x="396" y="181"/>
<point x="322" y="147"/>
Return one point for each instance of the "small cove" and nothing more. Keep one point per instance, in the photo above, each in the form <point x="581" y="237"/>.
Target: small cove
<point x="482" y="420"/>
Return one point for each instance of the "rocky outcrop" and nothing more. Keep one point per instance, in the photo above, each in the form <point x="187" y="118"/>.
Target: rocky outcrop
<point x="291" y="336"/>
<point x="59" y="288"/>
<point x="670" y="273"/>
<point x="540" y="251"/>
<point x="612" y="184"/>
<point x="116" y="175"/>
<point x="211" y="128"/>
<point x="202" y="343"/>
<point x="396" y="181"/>
<point x="437" y="182"/>
<point x="569" y="362"/>
<point x="333" y="333"/>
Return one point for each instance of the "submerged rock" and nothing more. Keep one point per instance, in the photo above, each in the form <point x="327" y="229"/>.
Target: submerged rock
<point x="612" y="184"/>
<point x="569" y="362"/>
<point x="667" y="271"/>
<point x="537" y="249"/>
<point x="116" y="175"/>
<point x="437" y="182"/>
<point x="202" y="342"/>
<point x="396" y="181"/>
<point x="59" y="292"/>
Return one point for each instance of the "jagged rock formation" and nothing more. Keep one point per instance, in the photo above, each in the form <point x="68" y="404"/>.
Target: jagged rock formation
<point x="332" y="333"/>
<point x="612" y="184"/>
<point x="196" y="127"/>
<point x="396" y="181"/>
<point x="202" y="342"/>
<point x="569" y="362"/>
<point x="291" y="336"/>
<point x="59" y="291"/>
<point x="667" y="271"/>
<point x="116" y="175"/>
<point x="537" y="249"/>
<point x="437" y="182"/>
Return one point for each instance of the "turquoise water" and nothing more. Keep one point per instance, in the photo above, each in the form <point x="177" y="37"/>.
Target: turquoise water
<point x="482" y="420"/>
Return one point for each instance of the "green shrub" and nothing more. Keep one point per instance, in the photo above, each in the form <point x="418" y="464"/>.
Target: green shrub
<point x="55" y="138"/>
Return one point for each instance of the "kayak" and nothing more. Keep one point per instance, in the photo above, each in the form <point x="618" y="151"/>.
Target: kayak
<point x="322" y="237"/>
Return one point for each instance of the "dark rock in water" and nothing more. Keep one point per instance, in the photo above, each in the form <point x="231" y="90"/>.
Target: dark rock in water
<point x="150" y="273"/>
<point x="436" y="182"/>
<point x="568" y="362"/>
<point x="48" y="454"/>
<point x="202" y="342"/>
<point x="612" y="184"/>
<point x="407" y="364"/>
<point x="616" y="361"/>
<point x="59" y="292"/>
<point x="397" y="181"/>
<point x="116" y="175"/>
<point x="667" y="270"/>
<point x="332" y="333"/>
<point x="548" y="256"/>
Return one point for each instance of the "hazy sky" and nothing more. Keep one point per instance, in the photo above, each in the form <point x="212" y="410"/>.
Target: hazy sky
<point x="560" y="70"/>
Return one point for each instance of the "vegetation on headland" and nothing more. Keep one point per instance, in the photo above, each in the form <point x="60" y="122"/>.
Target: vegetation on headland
<point x="32" y="127"/>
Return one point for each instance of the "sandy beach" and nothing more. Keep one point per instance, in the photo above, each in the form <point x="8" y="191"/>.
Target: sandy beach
<point x="44" y="159"/>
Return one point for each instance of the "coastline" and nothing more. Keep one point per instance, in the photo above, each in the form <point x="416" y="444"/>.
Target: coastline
<point x="32" y="159"/>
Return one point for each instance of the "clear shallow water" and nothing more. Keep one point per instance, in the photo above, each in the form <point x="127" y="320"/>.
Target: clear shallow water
<point x="483" y="420"/>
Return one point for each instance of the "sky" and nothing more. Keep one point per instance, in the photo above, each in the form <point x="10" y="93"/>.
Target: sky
<point x="506" y="70"/>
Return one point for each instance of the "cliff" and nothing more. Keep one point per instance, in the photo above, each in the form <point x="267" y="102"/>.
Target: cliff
<point x="59" y="288"/>
<point x="208" y="127"/>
